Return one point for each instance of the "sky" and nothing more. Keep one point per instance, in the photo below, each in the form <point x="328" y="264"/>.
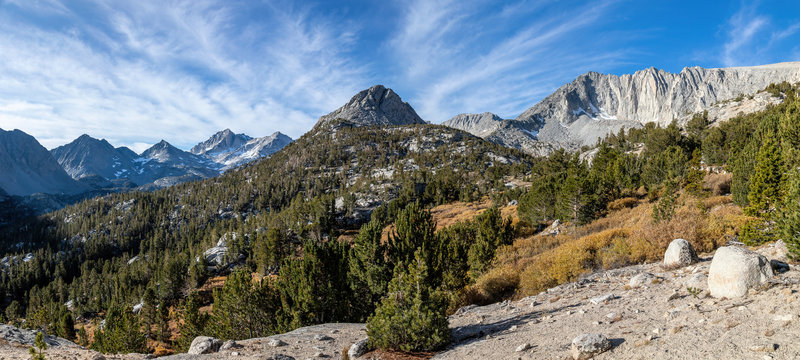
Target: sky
<point x="136" y="72"/>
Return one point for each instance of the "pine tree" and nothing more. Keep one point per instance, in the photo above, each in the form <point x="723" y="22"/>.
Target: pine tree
<point x="148" y="311"/>
<point x="789" y="221"/>
<point x="162" y="322"/>
<point x="369" y="272"/>
<point x="764" y="192"/>
<point x="696" y="175"/>
<point x="67" y="327"/>
<point x="83" y="338"/>
<point x="412" y="316"/>
<point x="493" y="232"/>
<point x="39" y="346"/>
<point x="242" y="309"/>
<point x="192" y="322"/>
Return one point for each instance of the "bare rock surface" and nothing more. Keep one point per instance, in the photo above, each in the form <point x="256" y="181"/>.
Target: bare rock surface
<point x="735" y="270"/>
<point x="679" y="253"/>
<point x="662" y="320"/>
<point x="374" y="106"/>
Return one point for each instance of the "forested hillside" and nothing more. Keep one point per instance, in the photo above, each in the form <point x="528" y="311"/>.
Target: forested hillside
<point x="336" y="228"/>
<point x="280" y="216"/>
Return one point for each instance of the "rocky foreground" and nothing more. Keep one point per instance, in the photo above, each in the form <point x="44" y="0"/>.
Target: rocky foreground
<point x="652" y="311"/>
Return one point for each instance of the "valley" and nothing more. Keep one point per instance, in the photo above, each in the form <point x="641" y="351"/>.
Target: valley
<point x="482" y="236"/>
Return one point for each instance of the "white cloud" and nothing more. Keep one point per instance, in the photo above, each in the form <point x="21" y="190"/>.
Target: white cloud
<point x="454" y="71"/>
<point x="751" y="38"/>
<point x="180" y="71"/>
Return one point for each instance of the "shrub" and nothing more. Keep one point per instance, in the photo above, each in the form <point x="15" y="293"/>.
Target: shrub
<point x="623" y="203"/>
<point x="756" y="232"/>
<point x="719" y="184"/>
<point x="412" y="316"/>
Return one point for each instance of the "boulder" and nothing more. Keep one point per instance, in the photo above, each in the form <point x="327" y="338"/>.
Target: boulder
<point x="679" y="254"/>
<point x="358" y="349"/>
<point x="204" y="345"/>
<point x="586" y="346"/>
<point x="641" y="280"/>
<point x="230" y="344"/>
<point x="734" y="270"/>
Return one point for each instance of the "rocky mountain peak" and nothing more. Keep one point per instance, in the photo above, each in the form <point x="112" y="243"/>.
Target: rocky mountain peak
<point x="377" y="105"/>
<point x="28" y="167"/>
<point x="221" y="141"/>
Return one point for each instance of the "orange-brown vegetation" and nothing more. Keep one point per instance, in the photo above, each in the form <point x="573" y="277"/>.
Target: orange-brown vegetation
<point x="627" y="235"/>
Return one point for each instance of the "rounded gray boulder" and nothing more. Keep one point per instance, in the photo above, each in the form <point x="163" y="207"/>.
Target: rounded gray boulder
<point x="734" y="270"/>
<point x="586" y="346"/>
<point x="680" y="253"/>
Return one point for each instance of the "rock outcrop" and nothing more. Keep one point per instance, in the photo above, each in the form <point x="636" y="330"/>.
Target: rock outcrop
<point x="594" y="105"/>
<point x="204" y="345"/>
<point x="480" y="125"/>
<point x="679" y="253"/>
<point x="586" y="346"/>
<point x="735" y="270"/>
<point x="374" y="106"/>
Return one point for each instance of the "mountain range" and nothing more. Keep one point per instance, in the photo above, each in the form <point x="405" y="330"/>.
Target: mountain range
<point x="575" y="115"/>
<point x="594" y="105"/>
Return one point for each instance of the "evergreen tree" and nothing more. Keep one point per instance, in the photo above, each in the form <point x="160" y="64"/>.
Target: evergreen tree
<point x="369" y="272"/>
<point x="39" y="346"/>
<point x="192" y="323"/>
<point x="148" y="312"/>
<point x="83" y="338"/>
<point x="162" y="322"/>
<point x="696" y="175"/>
<point x="412" y="316"/>
<point x="493" y="232"/>
<point x="764" y="192"/>
<point x="121" y="333"/>
<point x="242" y="309"/>
<point x="67" y="327"/>
<point x="789" y="221"/>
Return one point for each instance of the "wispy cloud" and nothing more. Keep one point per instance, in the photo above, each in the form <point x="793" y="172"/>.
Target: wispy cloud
<point x="176" y="70"/>
<point x="444" y="45"/>
<point x="750" y="37"/>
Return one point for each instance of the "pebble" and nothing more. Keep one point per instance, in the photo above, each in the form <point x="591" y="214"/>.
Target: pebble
<point x="769" y="332"/>
<point x="764" y="348"/>
<point x="523" y="347"/>
<point x="602" y="299"/>
<point x="322" y="337"/>
<point x="784" y="318"/>
<point x="277" y="343"/>
<point x="234" y="353"/>
<point x="674" y="296"/>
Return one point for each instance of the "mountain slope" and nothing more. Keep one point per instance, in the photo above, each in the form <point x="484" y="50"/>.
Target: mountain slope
<point x="28" y="168"/>
<point x="594" y="105"/>
<point x="481" y="125"/>
<point x="89" y="156"/>
<point x="374" y="106"/>
<point x="223" y="141"/>
<point x="165" y="165"/>
<point x="252" y="150"/>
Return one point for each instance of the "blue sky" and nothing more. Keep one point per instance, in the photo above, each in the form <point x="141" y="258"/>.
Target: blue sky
<point x="135" y="72"/>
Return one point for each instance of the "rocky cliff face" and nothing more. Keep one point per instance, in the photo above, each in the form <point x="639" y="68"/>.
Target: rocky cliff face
<point x="86" y="156"/>
<point x="481" y="125"/>
<point x="251" y="150"/>
<point x="594" y="104"/>
<point x="374" y="106"/>
<point x="222" y="141"/>
<point x="28" y="168"/>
